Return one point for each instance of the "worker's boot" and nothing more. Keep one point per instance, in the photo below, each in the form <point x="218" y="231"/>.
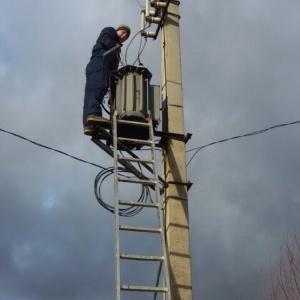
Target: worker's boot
<point x="99" y="120"/>
<point x="89" y="130"/>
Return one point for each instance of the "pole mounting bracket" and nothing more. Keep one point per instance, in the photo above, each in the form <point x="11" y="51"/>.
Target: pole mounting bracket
<point x="169" y="135"/>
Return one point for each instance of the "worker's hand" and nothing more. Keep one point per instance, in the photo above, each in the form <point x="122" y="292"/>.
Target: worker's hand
<point x="110" y="44"/>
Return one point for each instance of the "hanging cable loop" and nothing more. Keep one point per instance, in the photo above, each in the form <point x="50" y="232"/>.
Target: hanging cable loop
<point x="129" y="211"/>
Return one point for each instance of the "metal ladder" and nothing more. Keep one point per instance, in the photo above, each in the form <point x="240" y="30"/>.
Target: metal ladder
<point x="161" y="290"/>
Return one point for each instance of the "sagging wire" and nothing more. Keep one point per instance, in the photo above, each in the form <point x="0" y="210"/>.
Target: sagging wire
<point x="52" y="149"/>
<point x="140" y="52"/>
<point x="106" y="99"/>
<point x="139" y="4"/>
<point x="141" y="49"/>
<point x="197" y="149"/>
<point x="129" y="211"/>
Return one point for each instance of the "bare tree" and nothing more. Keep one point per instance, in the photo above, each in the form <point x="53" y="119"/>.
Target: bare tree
<point x="286" y="284"/>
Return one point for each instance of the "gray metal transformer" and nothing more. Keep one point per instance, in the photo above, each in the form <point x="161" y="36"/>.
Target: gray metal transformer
<point x="135" y="98"/>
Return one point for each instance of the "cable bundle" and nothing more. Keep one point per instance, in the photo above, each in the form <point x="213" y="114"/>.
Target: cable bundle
<point x="125" y="212"/>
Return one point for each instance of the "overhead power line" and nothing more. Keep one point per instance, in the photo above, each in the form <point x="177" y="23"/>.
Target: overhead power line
<point x="104" y="173"/>
<point x="237" y="137"/>
<point x="52" y="149"/>
<point x="197" y="149"/>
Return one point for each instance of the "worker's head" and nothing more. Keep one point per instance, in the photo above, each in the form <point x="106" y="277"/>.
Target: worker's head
<point x="123" y="31"/>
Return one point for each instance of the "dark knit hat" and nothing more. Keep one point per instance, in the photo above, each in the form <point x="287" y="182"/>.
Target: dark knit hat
<point x="124" y="27"/>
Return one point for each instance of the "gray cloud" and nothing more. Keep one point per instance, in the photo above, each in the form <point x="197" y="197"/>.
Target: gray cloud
<point x="240" y="63"/>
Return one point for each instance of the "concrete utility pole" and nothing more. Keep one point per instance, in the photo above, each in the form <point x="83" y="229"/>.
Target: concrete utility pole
<point x="176" y="200"/>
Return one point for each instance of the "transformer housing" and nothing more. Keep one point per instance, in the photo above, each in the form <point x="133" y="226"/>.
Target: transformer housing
<point x="135" y="98"/>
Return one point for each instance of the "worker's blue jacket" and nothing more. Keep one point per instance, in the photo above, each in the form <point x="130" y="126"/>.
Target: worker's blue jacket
<point x="107" y="39"/>
<point x="98" y="70"/>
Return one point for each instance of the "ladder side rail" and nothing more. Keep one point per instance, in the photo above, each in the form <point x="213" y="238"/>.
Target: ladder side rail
<point x="117" y="220"/>
<point x="160" y="216"/>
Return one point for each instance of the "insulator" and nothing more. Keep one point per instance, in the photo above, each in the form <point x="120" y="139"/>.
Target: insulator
<point x="158" y="4"/>
<point x="151" y="34"/>
<point x="148" y="12"/>
<point x="156" y="20"/>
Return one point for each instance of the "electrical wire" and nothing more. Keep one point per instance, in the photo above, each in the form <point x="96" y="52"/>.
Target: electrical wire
<point x="238" y="137"/>
<point x="52" y="149"/>
<point x="197" y="149"/>
<point x="104" y="173"/>
<point x="106" y="100"/>
<point x="141" y="49"/>
<point x="145" y="193"/>
<point x="125" y="212"/>
<point x="126" y="51"/>
<point x="139" y="4"/>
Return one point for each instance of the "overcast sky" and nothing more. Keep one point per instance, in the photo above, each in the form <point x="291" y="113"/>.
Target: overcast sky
<point x="241" y="71"/>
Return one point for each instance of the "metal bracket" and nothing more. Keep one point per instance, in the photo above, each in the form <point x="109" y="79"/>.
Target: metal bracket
<point x="169" y="135"/>
<point x="187" y="184"/>
<point x="103" y="134"/>
<point x="174" y="15"/>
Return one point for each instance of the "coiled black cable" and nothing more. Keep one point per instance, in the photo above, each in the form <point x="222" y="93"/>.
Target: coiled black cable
<point x="125" y="212"/>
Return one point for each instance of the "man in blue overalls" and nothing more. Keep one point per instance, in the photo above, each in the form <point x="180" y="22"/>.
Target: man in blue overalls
<point x="105" y="59"/>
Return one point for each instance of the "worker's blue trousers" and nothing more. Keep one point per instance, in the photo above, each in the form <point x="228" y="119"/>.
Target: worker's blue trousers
<point x="97" y="72"/>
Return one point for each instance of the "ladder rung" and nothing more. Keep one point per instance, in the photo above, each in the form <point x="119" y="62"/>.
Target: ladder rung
<point x="140" y="229"/>
<point x="134" y="203"/>
<point x="135" y="141"/>
<point x="143" y="124"/>
<point x="142" y="257"/>
<point x="143" y="288"/>
<point x="141" y="181"/>
<point x="140" y="160"/>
